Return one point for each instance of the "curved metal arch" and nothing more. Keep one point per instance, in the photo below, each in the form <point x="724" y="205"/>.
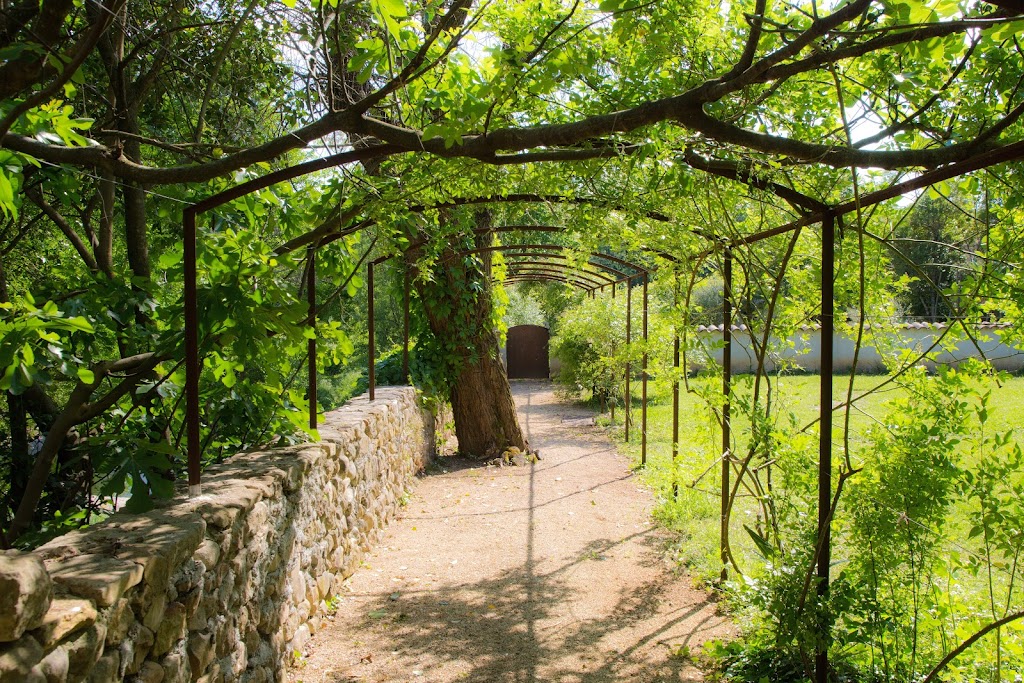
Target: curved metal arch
<point x="536" y="228"/>
<point x="552" y="271"/>
<point x="622" y="276"/>
<point x="592" y="277"/>
<point x="561" y="228"/>
<point x="502" y="248"/>
<point x="593" y="274"/>
<point x="561" y="247"/>
<point x="557" y="257"/>
<point x="561" y="268"/>
<point x="540" y="278"/>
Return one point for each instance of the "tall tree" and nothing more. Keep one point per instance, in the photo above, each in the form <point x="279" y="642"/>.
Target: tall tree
<point x="935" y="247"/>
<point x="458" y="302"/>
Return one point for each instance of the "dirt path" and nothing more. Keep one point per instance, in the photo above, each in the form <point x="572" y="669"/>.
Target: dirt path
<point x="548" y="572"/>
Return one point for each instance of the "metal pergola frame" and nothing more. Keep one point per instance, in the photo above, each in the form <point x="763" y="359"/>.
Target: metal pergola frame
<point x="826" y="216"/>
<point x="566" y="274"/>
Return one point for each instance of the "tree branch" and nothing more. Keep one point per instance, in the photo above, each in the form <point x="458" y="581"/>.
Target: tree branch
<point x="82" y="50"/>
<point x="76" y="410"/>
<point x="83" y="251"/>
<point x="23" y="71"/>
<point x="745" y="173"/>
<point x="970" y="641"/>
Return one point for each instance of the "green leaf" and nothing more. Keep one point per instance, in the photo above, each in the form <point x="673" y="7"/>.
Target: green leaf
<point x="8" y="206"/>
<point x="169" y="259"/>
<point x="1005" y="31"/>
<point x="79" y="323"/>
<point x="389" y="11"/>
<point x="86" y="375"/>
<point x="763" y="546"/>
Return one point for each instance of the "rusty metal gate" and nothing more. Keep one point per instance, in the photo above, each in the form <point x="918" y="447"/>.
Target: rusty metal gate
<point x="527" y="348"/>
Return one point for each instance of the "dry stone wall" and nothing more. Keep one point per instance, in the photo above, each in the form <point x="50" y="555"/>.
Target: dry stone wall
<point x="222" y="587"/>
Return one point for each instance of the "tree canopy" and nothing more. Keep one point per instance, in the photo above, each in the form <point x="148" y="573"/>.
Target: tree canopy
<point x="665" y="131"/>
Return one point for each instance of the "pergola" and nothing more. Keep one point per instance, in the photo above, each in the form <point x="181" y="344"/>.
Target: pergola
<point x="826" y="216"/>
<point x="535" y="262"/>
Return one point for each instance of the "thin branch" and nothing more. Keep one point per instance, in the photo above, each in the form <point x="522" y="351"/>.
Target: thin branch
<point x="955" y="652"/>
<point x="82" y="51"/>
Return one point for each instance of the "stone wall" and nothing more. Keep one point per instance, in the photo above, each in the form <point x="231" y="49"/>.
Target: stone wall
<point x="226" y="586"/>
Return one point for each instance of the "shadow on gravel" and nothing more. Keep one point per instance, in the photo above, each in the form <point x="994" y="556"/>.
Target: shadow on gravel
<point x="501" y="629"/>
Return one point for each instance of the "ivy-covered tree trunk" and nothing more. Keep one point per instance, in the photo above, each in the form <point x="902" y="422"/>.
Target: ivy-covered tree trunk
<point x="459" y="309"/>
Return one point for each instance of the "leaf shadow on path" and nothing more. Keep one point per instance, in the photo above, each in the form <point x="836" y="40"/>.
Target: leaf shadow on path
<point x="596" y="605"/>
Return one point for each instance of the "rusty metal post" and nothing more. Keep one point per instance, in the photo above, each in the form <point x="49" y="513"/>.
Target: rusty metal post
<point x="675" y="383"/>
<point x="370" y="335"/>
<point x="614" y="287"/>
<point x="643" y="384"/>
<point x="311" y="344"/>
<point x="405" y="327"/>
<point x="192" y="366"/>
<point x="726" y="418"/>
<point x="189" y="238"/>
<point x="828" y="255"/>
<point x="629" y="337"/>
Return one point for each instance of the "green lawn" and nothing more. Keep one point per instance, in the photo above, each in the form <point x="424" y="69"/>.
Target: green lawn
<point x="695" y="513"/>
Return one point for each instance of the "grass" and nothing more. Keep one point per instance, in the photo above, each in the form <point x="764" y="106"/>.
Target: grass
<point x="689" y="490"/>
<point x="696" y="511"/>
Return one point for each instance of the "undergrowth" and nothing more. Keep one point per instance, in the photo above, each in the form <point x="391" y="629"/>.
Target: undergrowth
<point x="927" y="537"/>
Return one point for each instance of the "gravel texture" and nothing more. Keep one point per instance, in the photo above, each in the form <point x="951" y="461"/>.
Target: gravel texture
<point x="546" y="572"/>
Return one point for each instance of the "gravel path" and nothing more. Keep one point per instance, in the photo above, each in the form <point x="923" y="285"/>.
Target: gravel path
<point x="547" y="572"/>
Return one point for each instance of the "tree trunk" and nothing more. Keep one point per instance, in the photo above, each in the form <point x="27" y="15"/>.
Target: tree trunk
<point x="485" y="414"/>
<point x="458" y="305"/>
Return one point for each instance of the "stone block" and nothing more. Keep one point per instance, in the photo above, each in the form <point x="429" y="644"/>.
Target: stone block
<point x="155" y="613"/>
<point x="200" y="651"/>
<point x="101" y="579"/>
<point x="297" y="582"/>
<point x="65" y="616"/>
<point x="106" y="669"/>
<point x="55" y="666"/>
<point x="151" y="672"/>
<point x="171" y="629"/>
<point x="191" y="600"/>
<point x="258" y="675"/>
<point x="176" y="668"/>
<point x="258" y="516"/>
<point x="159" y="541"/>
<point x="312" y="593"/>
<point x="207" y="608"/>
<point x="208" y="553"/>
<point x="84" y="650"/>
<point x="188" y="576"/>
<point x="300" y="638"/>
<point x="18" y="658"/>
<point x="324" y="582"/>
<point x="25" y="594"/>
<point x="119" y="620"/>
<point x="137" y="648"/>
